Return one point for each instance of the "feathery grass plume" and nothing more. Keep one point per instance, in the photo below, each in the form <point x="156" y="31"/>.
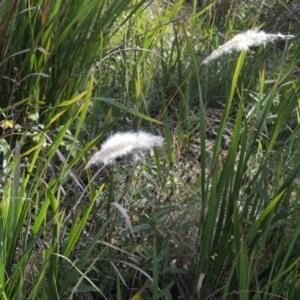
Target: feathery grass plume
<point x="245" y="40"/>
<point x="120" y="144"/>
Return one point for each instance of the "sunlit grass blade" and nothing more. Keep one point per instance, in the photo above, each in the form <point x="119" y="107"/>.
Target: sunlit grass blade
<point x="78" y="229"/>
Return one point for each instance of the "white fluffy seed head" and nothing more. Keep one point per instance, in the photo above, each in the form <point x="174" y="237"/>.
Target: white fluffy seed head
<point x="245" y="40"/>
<point x="121" y="144"/>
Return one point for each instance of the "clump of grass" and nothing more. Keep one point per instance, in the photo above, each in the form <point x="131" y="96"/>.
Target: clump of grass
<point x="230" y="231"/>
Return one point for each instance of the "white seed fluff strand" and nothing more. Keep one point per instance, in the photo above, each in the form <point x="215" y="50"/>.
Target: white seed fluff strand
<point x="121" y="144"/>
<point x="245" y="40"/>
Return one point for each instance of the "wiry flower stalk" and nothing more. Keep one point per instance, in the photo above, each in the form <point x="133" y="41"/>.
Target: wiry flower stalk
<point x="120" y="144"/>
<point x="245" y="40"/>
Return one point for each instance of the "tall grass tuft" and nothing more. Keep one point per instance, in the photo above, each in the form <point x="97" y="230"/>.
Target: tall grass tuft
<point x="214" y="214"/>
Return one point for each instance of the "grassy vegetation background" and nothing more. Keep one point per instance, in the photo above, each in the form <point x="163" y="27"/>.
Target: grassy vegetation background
<point x="215" y="215"/>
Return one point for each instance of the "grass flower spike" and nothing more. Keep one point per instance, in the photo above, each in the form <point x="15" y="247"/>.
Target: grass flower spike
<point x="120" y="144"/>
<point x="245" y="40"/>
